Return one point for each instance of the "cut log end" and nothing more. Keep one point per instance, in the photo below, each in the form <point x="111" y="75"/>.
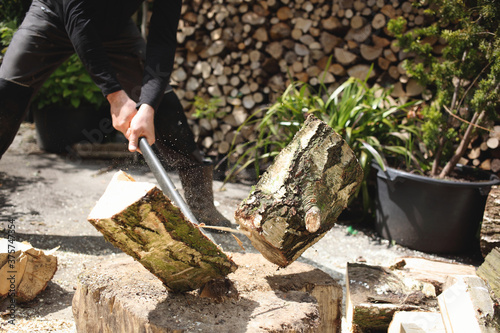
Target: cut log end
<point x="26" y="272"/>
<point x="313" y="219"/>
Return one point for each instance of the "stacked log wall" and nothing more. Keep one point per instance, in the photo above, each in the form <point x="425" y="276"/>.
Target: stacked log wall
<point x="244" y="53"/>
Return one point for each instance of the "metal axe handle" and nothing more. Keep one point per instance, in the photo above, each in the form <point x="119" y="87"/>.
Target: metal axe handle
<point x="166" y="185"/>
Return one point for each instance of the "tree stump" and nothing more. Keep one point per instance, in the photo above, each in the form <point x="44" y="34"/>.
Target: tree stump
<point x="140" y="220"/>
<point x="120" y="295"/>
<point x="24" y="270"/>
<point x="301" y="194"/>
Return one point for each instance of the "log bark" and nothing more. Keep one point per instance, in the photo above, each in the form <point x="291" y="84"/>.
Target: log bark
<point x="24" y="272"/>
<point x="490" y="271"/>
<point x="301" y="194"/>
<point x="120" y="295"/>
<point x="140" y="220"/>
<point x="490" y="228"/>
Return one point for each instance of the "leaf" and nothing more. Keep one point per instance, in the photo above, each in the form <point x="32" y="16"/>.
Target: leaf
<point x="375" y="154"/>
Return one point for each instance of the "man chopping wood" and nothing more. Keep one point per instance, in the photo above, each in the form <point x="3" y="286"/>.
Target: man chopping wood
<point x="132" y="74"/>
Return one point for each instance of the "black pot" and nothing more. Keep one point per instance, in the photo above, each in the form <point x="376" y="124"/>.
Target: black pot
<point x="431" y="215"/>
<point x="58" y="128"/>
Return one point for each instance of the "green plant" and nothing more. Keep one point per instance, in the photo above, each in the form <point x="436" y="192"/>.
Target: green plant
<point x="362" y="115"/>
<point x="207" y="108"/>
<point x="7" y="29"/>
<point x="464" y="81"/>
<point x="13" y="10"/>
<point x="70" y="83"/>
<point x="11" y="13"/>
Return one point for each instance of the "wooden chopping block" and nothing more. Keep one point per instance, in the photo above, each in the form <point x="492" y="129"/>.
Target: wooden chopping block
<point x="140" y="220"/>
<point x="301" y="194"/>
<point x="120" y="295"/>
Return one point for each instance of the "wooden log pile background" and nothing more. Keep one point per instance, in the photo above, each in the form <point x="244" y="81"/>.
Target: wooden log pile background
<point x="244" y="52"/>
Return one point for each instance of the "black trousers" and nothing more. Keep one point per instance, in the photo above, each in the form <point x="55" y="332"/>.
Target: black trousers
<point x="41" y="45"/>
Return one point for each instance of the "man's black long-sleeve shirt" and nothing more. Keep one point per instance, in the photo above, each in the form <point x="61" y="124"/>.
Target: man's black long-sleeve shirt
<point x="90" y="22"/>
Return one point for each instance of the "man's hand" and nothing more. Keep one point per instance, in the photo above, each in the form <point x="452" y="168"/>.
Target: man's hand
<point x="141" y="125"/>
<point x="131" y="122"/>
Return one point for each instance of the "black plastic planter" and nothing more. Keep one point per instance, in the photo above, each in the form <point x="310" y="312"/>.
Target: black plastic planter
<point x="431" y="215"/>
<point x="58" y="128"/>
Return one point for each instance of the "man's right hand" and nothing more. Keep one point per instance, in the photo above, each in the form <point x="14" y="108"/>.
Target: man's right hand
<point x="122" y="110"/>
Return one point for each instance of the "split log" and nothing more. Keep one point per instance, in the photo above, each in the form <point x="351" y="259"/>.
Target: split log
<point x="370" y="53"/>
<point x="375" y="294"/>
<point x="343" y="56"/>
<point x="435" y="272"/>
<point x="416" y="322"/>
<point x="140" y="220"/>
<point x="466" y="306"/>
<point x="361" y="71"/>
<point x="301" y="194"/>
<point x="490" y="271"/>
<point x="120" y="295"/>
<point x="490" y="228"/>
<point x="25" y="271"/>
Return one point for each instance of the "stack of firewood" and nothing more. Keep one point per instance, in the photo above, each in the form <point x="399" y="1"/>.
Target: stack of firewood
<point x="245" y="52"/>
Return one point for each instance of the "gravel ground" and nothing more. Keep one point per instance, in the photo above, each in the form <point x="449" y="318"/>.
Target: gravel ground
<point x="48" y="197"/>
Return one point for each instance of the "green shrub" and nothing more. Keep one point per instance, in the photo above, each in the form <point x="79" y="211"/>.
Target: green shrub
<point x="464" y="81"/>
<point x="359" y="113"/>
<point x="69" y="84"/>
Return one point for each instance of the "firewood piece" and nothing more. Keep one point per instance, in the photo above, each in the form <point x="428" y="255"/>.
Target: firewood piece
<point x="378" y="21"/>
<point x="413" y="88"/>
<point x="360" y="71"/>
<point x="26" y="271"/>
<point x="120" y="295"/>
<point x="140" y="220"/>
<point x="370" y="52"/>
<point x="466" y="306"/>
<point x="433" y="271"/>
<point x="357" y="22"/>
<point x="343" y="56"/>
<point x="375" y="293"/>
<point x="301" y="194"/>
<point x="383" y="63"/>
<point x="490" y="227"/>
<point x="359" y="35"/>
<point x="416" y="322"/>
<point x="490" y="271"/>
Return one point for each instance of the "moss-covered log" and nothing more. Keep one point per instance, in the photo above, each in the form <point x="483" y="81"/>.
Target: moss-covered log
<point x="301" y="195"/>
<point x="140" y="220"/>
